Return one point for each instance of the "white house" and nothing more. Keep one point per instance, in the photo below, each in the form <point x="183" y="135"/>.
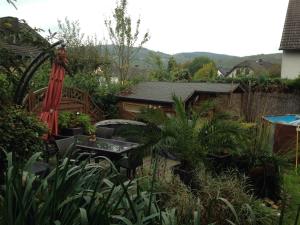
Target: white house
<point x="290" y="42"/>
<point x="222" y="72"/>
<point x="250" y="68"/>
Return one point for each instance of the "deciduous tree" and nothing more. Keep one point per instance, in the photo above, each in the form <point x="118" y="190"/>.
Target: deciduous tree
<point x="208" y="71"/>
<point x="124" y="38"/>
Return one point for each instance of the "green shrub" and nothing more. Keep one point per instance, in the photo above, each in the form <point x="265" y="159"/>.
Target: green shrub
<point x="73" y="120"/>
<point x="75" y="195"/>
<point x="5" y="90"/>
<point x="20" y="132"/>
<point x="220" y="199"/>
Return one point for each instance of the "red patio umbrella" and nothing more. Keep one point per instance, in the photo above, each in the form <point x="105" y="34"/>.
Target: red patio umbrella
<point x="53" y="94"/>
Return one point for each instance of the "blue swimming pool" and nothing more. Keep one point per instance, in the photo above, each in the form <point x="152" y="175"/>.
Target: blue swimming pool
<point x="286" y="119"/>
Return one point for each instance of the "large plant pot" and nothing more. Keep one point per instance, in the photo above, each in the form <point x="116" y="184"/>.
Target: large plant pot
<point x="187" y="175"/>
<point x="265" y="181"/>
<point x="71" y="131"/>
<point x="241" y="163"/>
<point x="219" y="162"/>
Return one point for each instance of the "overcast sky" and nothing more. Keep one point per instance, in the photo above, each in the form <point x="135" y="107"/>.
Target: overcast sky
<point x="235" y="27"/>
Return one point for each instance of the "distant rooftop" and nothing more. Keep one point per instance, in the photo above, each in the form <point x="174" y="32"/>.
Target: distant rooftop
<point x="163" y="91"/>
<point x="256" y="65"/>
<point x="291" y="32"/>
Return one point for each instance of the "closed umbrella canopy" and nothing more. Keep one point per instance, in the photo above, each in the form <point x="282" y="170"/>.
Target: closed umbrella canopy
<point x="53" y="94"/>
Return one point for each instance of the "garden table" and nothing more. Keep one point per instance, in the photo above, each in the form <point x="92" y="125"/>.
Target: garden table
<point x="110" y="148"/>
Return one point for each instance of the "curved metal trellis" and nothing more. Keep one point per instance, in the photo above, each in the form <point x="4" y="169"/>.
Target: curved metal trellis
<point x="30" y="71"/>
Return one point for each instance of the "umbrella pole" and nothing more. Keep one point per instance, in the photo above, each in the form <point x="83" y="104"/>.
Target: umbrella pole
<point x="297" y="147"/>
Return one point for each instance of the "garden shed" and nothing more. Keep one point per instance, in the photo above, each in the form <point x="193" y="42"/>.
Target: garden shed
<point x="159" y="95"/>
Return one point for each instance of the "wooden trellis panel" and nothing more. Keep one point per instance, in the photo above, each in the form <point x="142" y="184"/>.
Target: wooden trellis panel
<point x="73" y="100"/>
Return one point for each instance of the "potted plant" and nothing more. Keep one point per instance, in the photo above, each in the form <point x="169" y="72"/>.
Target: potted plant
<point x="71" y="124"/>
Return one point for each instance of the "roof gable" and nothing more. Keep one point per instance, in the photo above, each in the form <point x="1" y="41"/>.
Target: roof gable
<point x="257" y="66"/>
<point x="164" y="91"/>
<point x="291" y="32"/>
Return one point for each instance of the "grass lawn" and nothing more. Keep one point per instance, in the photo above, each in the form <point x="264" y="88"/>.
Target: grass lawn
<point x="292" y="187"/>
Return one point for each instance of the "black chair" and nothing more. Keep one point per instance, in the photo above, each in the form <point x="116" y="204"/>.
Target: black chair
<point x="40" y="168"/>
<point x="104" y="132"/>
<point x="67" y="148"/>
<point x="131" y="161"/>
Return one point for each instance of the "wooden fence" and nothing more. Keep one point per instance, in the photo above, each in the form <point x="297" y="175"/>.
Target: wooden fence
<point x="73" y="100"/>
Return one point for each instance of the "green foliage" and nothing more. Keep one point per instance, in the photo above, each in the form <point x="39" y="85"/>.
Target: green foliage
<point x="83" y="55"/>
<point x="208" y="71"/>
<point x="159" y="71"/>
<point x="20" y="132"/>
<point x="220" y="199"/>
<point x="41" y="77"/>
<point x="73" y="120"/>
<point x="124" y="37"/>
<point x="172" y="64"/>
<point x="197" y="64"/>
<point x="222" y="135"/>
<point x="291" y="182"/>
<point x="88" y="82"/>
<point x="180" y="74"/>
<point x="103" y="93"/>
<point x="191" y="135"/>
<point x="74" y="195"/>
<point x="263" y="83"/>
<point x="5" y="90"/>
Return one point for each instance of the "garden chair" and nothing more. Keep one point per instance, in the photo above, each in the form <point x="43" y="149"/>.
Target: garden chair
<point x="67" y="148"/>
<point x="131" y="161"/>
<point x="40" y="168"/>
<point x="104" y="132"/>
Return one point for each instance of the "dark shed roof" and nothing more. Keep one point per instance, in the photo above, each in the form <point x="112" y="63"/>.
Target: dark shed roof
<point x="29" y="51"/>
<point x="17" y="37"/>
<point x="291" y="32"/>
<point x="163" y="91"/>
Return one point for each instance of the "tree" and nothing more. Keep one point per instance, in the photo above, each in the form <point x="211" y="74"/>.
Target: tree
<point x="83" y="54"/>
<point x="208" y="71"/>
<point x="123" y="38"/>
<point x="197" y="64"/>
<point x="275" y="70"/>
<point x="160" y="71"/>
<point x="172" y="64"/>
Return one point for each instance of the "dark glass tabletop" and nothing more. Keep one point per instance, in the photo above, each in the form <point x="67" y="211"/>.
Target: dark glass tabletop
<point x="105" y="145"/>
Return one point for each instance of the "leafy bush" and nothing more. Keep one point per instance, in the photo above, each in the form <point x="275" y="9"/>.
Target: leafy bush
<point x="221" y="200"/>
<point x="193" y="134"/>
<point x="74" y="195"/>
<point x="5" y="90"/>
<point x="73" y="120"/>
<point x="103" y="93"/>
<point x="222" y="135"/>
<point x="20" y="132"/>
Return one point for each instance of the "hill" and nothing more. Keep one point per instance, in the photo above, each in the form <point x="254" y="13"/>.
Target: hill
<point x="142" y="59"/>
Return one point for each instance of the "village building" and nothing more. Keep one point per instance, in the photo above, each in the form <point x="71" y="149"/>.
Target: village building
<point x="222" y="72"/>
<point x="290" y="42"/>
<point x="250" y="68"/>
